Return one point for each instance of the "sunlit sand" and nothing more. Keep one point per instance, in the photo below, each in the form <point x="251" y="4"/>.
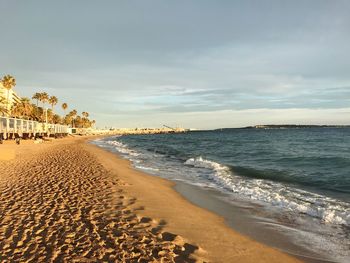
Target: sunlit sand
<point x="69" y="201"/>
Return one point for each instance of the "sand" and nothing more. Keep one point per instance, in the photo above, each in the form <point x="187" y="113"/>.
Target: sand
<point x="68" y="201"/>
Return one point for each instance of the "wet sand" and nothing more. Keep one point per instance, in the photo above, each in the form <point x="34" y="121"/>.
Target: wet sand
<point x="248" y="219"/>
<point x="68" y="201"/>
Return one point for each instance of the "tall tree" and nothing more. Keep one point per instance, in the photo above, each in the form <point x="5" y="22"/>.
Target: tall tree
<point x="44" y="97"/>
<point x="85" y="114"/>
<point x="37" y="113"/>
<point x="56" y="118"/>
<point x="64" y="107"/>
<point x="85" y="120"/>
<point x="73" y="113"/>
<point x="3" y="109"/>
<point x="36" y="96"/>
<point x="8" y="82"/>
<point x="53" y="101"/>
<point x="22" y="109"/>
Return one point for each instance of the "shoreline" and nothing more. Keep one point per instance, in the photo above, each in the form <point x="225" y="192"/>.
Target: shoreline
<point x="241" y="219"/>
<point x="58" y="203"/>
<point x="240" y="216"/>
<point x="303" y="235"/>
<point x="68" y="199"/>
<point x="231" y="239"/>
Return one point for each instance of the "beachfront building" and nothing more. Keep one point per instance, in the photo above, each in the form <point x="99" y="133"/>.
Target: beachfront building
<point x="11" y="95"/>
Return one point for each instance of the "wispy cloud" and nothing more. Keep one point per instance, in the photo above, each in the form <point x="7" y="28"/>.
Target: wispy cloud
<point x="135" y="60"/>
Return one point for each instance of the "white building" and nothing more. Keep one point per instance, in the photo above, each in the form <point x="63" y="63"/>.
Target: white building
<point x="13" y="98"/>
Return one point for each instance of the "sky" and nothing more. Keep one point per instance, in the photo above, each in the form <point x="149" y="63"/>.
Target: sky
<point x="196" y="64"/>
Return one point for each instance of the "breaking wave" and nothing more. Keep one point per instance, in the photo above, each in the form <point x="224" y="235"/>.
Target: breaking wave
<point x="327" y="209"/>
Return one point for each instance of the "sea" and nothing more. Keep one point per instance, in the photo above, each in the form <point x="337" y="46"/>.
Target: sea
<point x="299" y="179"/>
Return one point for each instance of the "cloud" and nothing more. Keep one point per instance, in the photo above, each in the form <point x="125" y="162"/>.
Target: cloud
<point x="233" y="118"/>
<point x="136" y="60"/>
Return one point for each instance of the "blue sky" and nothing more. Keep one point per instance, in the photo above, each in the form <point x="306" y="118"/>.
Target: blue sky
<point x="199" y="64"/>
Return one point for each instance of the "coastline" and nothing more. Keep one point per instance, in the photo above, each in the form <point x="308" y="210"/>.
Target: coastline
<point x="207" y="229"/>
<point x="242" y="219"/>
<point x="143" y="203"/>
<point x="59" y="204"/>
<point x="278" y="200"/>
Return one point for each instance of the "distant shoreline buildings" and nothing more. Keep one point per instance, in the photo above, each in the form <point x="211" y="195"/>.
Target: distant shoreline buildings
<point x="285" y="126"/>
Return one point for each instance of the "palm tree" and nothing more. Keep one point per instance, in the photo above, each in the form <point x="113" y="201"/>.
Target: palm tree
<point x="56" y="118"/>
<point x="78" y="122"/>
<point x="85" y="114"/>
<point x="26" y="109"/>
<point x="8" y="82"/>
<point x="36" y="96"/>
<point x="44" y="97"/>
<point x="53" y="101"/>
<point x="3" y="109"/>
<point x="49" y="115"/>
<point x="85" y="119"/>
<point x="22" y="109"/>
<point x="73" y="113"/>
<point x="64" y="107"/>
<point x="37" y="113"/>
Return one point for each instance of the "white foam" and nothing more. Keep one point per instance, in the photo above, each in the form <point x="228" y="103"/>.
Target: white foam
<point x="122" y="148"/>
<point x="306" y="208"/>
<point x="146" y="168"/>
<point x="329" y="210"/>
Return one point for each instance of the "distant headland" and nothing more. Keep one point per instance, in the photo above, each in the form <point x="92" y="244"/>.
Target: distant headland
<point x="293" y="126"/>
<point x="287" y="126"/>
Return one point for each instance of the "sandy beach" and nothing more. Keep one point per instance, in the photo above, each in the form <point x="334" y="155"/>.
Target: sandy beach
<point x="69" y="201"/>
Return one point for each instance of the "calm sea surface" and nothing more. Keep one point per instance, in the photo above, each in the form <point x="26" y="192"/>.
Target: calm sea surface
<point x="303" y="174"/>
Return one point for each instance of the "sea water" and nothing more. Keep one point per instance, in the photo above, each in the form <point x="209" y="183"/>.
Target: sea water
<point x="302" y="175"/>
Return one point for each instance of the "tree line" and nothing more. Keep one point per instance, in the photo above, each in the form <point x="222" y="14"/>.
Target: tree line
<point x="41" y="108"/>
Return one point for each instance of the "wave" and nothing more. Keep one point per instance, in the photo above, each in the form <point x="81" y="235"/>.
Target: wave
<point x="289" y="190"/>
<point x="327" y="209"/>
<point x="256" y="186"/>
<point x="122" y="148"/>
<point x="146" y="168"/>
<point x="325" y="183"/>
